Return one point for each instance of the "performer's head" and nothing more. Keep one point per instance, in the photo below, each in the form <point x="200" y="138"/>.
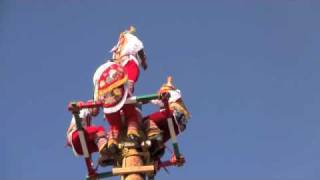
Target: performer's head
<point x="129" y="44"/>
<point x="167" y="86"/>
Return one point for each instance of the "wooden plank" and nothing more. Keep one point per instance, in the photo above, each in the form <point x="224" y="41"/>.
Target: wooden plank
<point x="136" y="169"/>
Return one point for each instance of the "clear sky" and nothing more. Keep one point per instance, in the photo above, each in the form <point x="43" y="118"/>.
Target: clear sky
<point x="248" y="71"/>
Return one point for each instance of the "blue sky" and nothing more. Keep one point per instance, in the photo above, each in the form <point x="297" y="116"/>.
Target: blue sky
<point x="248" y="71"/>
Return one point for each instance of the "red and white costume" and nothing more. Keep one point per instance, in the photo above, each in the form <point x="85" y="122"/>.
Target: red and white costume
<point x="92" y="134"/>
<point x="178" y="111"/>
<point x="129" y="53"/>
<point x="110" y="82"/>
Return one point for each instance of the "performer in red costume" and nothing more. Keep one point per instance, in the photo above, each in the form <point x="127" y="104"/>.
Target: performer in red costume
<point x="129" y="53"/>
<point x="96" y="138"/>
<point x="156" y="123"/>
<point x="111" y="88"/>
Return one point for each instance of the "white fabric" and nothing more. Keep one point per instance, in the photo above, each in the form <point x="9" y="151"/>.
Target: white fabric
<point x="157" y="102"/>
<point x="133" y="45"/>
<point x="97" y="75"/>
<point x="100" y="70"/>
<point x="174" y="95"/>
<point x="131" y="48"/>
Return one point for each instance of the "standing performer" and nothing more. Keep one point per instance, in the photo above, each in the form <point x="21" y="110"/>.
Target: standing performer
<point x="111" y="89"/>
<point x="129" y="53"/>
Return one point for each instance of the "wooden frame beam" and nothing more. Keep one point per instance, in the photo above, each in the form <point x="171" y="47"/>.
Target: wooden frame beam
<point x="137" y="169"/>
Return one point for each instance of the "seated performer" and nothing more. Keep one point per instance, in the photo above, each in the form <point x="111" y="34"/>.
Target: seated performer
<point x="95" y="136"/>
<point x="156" y="123"/>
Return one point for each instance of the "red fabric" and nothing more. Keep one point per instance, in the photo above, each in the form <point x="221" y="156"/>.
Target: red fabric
<point x="90" y="135"/>
<point x="160" y="118"/>
<point x="107" y="79"/>
<point x="114" y="119"/>
<point x="132" y="70"/>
